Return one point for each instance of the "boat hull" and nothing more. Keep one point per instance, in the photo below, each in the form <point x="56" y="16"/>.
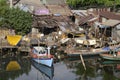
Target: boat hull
<point x="41" y="55"/>
<point x="45" y="61"/>
<point x="110" y="57"/>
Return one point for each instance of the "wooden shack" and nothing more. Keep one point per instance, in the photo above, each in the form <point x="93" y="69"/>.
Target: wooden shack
<point x="112" y="21"/>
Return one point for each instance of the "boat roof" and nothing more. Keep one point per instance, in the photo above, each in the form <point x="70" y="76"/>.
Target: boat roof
<point x="39" y="48"/>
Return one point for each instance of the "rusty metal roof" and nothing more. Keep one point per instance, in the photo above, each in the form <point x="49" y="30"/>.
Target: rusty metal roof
<point x="44" y="21"/>
<point x="53" y="21"/>
<point x="109" y="15"/>
<point x="84" y="19"/>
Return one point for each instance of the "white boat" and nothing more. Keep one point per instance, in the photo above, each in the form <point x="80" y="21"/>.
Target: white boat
<point x="42" y="55"/>
<point x="111" y="56"/>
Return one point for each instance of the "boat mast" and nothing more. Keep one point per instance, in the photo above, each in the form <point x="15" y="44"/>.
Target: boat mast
<point x="48" y="50"/>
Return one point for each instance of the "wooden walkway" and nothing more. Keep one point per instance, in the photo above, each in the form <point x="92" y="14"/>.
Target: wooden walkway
<point x="1" y="47"/>
<point x="74" y="51"/>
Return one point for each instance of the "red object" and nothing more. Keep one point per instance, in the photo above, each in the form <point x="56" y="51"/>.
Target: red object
<point x="118" y="53"/>
<point x="35" y="56"/>
<point x="50" y="56"/>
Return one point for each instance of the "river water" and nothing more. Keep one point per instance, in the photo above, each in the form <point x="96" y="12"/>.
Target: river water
<point x="26" y="69"/>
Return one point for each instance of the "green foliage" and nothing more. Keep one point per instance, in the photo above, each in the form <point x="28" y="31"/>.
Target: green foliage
<point x="89" y="71"/>
<point x="19" y="20"/>
<point x="3" y="7"/>
<point x="72" y="2"/>
<point x="3" y="3"/>
<point x="15" y="19"/>
<point x="83" y="3"/>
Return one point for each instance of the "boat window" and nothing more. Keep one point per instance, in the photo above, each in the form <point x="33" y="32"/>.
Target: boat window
<point x="42" y="52"/>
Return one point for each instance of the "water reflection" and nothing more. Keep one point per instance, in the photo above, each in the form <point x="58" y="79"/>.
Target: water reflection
<point x="11" y="68"/>
<point x="95" y="70"/>
<point x="111" y="70"/>
<point x="45" y="70"/>
<point x="24" y="69"/>
<point x="79" y="70"/>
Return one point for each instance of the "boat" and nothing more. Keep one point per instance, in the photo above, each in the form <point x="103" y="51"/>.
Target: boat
<point x="111" y="55"/>
<point x="73" y="52"/>
<point x="76" y="51"/>
<point x="107" y="62"/>
<point x="48" y="71"/>
<point x="14" y="39"/>
<point x="42" y="55"/>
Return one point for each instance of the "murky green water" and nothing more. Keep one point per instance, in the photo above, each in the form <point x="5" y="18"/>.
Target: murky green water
<point x="25" y="69"/>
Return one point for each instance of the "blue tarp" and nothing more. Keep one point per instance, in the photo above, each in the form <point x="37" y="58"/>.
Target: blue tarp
<point x="106" y="48"/>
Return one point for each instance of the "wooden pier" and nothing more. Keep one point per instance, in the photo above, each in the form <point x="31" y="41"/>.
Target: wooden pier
<point x="73" y="51"/>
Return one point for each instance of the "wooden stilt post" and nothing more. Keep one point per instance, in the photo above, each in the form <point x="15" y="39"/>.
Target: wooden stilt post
<point x="82" y="61"/>
<point x="1" y="46"/>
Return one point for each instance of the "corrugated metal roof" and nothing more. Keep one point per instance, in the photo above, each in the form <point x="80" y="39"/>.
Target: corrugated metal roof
<point x="32" y="2"/>
<point x="63" y="22"/>
<point x="59" y="9"/>
<point x="111" y="23"/>
<point x="54" y="2"/>
<point x="44" y="21"/>
<point x="85" y="19"/>
<point x="36" y="5"/>
<point x="109" y="15"/>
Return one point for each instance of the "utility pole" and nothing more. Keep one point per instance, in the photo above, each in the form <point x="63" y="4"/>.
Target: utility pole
<point x="11" y="3"/>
